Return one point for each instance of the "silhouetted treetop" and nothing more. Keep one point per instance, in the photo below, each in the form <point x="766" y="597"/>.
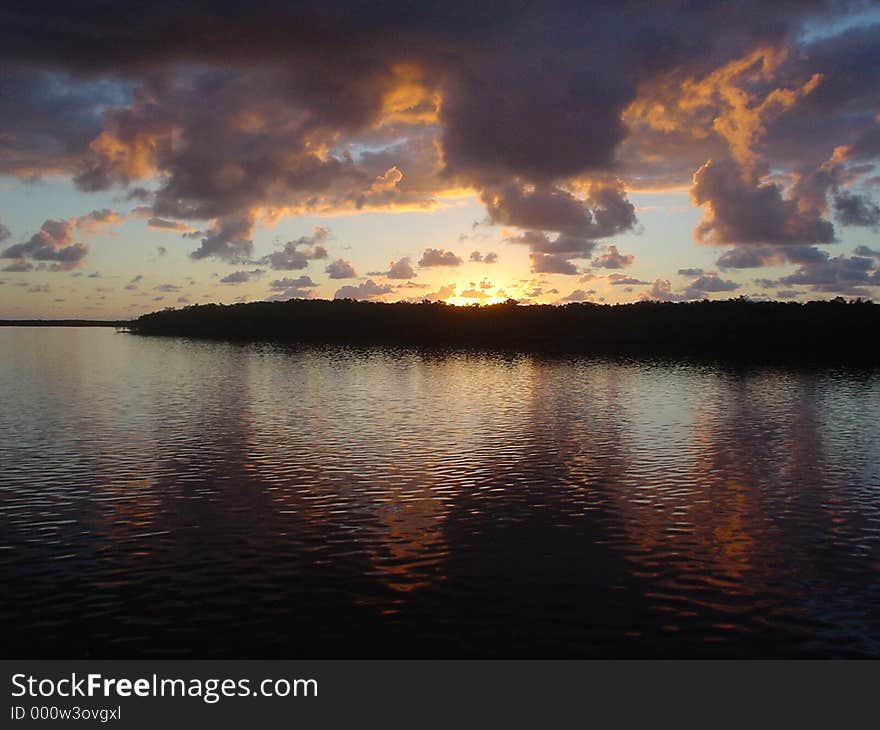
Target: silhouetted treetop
<point x="813" y="328"/>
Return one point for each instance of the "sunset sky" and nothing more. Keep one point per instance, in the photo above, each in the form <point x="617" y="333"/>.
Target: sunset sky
<point x="465" y="151"/>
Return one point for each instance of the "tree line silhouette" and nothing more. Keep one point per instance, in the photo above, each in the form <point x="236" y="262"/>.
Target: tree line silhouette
<point x="837" y="328"/>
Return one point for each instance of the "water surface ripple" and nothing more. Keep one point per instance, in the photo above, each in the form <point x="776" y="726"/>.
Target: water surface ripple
<point x="166" y="497"/>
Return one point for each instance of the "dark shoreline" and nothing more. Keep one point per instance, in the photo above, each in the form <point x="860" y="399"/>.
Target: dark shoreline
<point x="62" y="323"/>
<point x="737" y="329"/>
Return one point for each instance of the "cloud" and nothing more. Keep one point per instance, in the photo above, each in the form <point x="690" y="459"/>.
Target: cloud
<point x="291" y="257"/>
<point x="490" y="257"/>
<point x="473" y="294"/>
<point x="841" y="274"/>
<point x="613" y="259"/>
<point x="240" y="277"/>
<point x="749" y="257"/>
<point x="661" y="290"/>
<point x="605" y="211"/>
<point x="543" y="263"/>
<point x="228" y="238"/>
<point x="856" y="210"/>
<point x="287" y="288"/>
<point x="705" y="283"/>
<point x="251" y="119"/>
<point x="554" y="255"/>
<point x="578" y="295"/>
<point x="709" y="283"/>
<point x="52" y="243"/>
<point x="690" y="272"/>
<point x="368" y="289"/>
<point x="444" y="292"/>
<point x="96" y="220"/>
<point x="341" y="269"/>
<point x="738" y="212"/>
<point x="866" y="251"/>
<point x="439" y="257"/>
<point x="166" y="225"/>
<point x="623" y="280"/>
<point x="401" y="269"/>
<point x="301" y="282"/>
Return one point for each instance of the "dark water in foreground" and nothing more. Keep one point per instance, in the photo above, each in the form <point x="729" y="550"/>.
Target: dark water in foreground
<point x="165" y="497"/>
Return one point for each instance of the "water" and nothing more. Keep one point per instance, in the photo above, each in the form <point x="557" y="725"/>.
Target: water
<point x="167" y="497"/>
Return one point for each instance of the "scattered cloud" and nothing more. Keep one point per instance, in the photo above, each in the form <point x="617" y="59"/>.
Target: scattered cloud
<point x="341" y="269"/>
<point x="240" y="277"/>
<point x="613" y="259"/>
<point x="368" y="289"/>
<point x="52" y="243"/>
<point x="439" y="257"/>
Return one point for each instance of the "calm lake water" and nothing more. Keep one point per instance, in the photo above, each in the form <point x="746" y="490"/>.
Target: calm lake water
<point x="167" y="497"/>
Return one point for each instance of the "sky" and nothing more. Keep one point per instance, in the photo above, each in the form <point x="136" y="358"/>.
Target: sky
<point x="549" y="152"/>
